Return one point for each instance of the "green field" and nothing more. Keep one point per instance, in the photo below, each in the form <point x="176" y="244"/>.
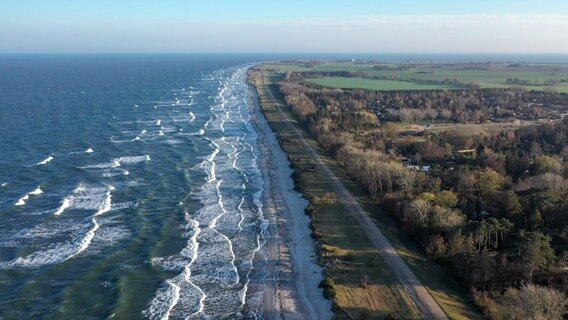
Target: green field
<point x="405" y="76"/>
<point x="372" y="84"/>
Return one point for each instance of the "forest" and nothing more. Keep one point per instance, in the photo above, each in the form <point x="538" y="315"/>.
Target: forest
<point x="490" y="207"/>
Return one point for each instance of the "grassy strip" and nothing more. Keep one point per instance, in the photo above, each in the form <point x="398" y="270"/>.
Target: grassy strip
<point x="359" y="282"/>
<point x="338" y="232"/>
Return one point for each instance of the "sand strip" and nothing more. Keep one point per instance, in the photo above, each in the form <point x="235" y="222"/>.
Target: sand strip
<point x="292" y="290"/>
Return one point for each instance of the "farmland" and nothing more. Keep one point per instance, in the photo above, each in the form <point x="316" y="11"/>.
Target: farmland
<point x="428" y="76"/>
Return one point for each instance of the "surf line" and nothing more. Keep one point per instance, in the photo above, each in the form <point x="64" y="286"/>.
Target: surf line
<point x="88" y="238"/>
<point x="213" y="226"/>
<point x="165" y="301"/>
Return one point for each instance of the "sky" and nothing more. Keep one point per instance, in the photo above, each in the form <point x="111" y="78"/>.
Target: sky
<point x="268" y="26"/>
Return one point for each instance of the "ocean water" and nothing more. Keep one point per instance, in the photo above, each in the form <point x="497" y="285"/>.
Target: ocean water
<point x="129" y="188"/>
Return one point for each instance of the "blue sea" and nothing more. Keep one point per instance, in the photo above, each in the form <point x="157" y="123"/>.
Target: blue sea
<point x="129" y="188"/>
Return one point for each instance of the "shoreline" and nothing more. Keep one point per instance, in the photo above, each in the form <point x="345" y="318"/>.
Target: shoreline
<point x="292" y="285"/>
<point x="379" y="285"/>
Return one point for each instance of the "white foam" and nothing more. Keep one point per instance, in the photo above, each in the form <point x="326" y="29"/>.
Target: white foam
<point x="201" y="132"/>
<point x="83" y="197"/>
<point x="109" y="235"/>
<point x="192" y="117"/>
<point x="213" y="225"/>
<point x="65" y="204"/>
<point x="36" y="192"/>
<point x="175" y="263"/>
<point x="136" y="139"/>
<point x="158" y="122"/>
<point x="211" y="171"/>
<point x="161" y="133"/>
<point x="77" y="198"/>
<point x="86" y="241"/>
<point x="118" y="162"/>
<point x="180" y="290"/>
<point x="39" y="258"/>
<point x="5" y="184"/>
<point x="131" y="160"/>
<point x="22" y="200"/>
<point x="45" y="161"/>
<point x="89" y="150"/>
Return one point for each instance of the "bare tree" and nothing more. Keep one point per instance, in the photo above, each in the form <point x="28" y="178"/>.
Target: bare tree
<point x="533" y="302"/>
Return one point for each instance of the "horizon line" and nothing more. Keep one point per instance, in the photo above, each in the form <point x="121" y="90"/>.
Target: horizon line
<point x="274" y="52"/>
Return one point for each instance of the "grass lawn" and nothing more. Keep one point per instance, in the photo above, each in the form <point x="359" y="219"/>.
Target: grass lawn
<point x="364" y="283"/>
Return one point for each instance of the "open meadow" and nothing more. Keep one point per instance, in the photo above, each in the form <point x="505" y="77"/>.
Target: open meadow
<point x="430" y="76"/>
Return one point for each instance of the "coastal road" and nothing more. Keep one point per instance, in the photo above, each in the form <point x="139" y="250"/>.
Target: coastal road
<point x="415" y="289"/>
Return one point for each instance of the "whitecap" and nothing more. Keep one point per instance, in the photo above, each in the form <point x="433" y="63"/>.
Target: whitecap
<point x="65" y="204"/>
<point x="89" y="150"/>
<point x="36" y="192"/>
<point x="103" y="206"/>
<point x="136" y="139"/>
<point x="22" y="200"/>
<point x="39" y="258"/>
<point x="45" y="161"/>
<point x="131" y="160"/>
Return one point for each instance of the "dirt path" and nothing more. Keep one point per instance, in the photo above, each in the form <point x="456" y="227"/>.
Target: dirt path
<point x="417" y="292"/>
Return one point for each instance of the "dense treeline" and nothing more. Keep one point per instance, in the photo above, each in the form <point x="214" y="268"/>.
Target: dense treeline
<point x="491" y="208"/>
<point x="526" y="82"/>
<point x="464" y="106"/>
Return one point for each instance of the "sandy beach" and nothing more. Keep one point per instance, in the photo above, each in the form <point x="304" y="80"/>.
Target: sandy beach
<point x="292" y="290"/>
